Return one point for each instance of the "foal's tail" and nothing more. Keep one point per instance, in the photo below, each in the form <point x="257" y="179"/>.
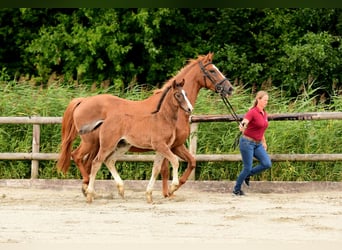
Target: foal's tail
<point x="69" y="134"/>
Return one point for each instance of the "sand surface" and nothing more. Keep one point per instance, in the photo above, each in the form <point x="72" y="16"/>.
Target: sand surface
<point x="43" y="215"/>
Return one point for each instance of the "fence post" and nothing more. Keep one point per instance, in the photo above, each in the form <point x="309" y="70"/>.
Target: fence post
<point x="35" y="149"/>
<point x="193" y="145"/>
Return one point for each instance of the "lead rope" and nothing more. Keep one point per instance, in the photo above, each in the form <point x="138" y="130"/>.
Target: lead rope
<point x="236" y="118"/>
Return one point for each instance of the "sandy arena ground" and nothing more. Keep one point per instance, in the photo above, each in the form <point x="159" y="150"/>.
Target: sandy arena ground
<point x="43" y="214"/>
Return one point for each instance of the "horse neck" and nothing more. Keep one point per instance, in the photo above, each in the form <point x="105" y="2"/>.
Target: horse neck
<point x="192" y="83"/>
<point x="192" y="90"/>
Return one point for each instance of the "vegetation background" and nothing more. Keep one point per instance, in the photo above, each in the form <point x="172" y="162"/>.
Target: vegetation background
<point x="49" y="56"/>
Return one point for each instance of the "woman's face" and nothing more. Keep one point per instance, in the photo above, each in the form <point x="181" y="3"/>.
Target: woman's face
<point x="262" y="102"/>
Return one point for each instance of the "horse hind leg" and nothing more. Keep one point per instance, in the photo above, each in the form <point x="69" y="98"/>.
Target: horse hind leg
<point x="78" y="159"/>
<point x="155" y="171"/>
<point x="107" y="146"/>
<point x="83" y="157"/>
<point x="90" y="189"/>
<point x="121" y="149"/>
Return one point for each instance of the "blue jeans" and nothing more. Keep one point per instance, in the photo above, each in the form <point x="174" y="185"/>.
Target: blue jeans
<point x="248" y="150"/>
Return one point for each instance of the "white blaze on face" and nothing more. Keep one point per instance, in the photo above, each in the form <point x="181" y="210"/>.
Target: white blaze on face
<point x="187" y="100"/>
<point x="219" y="71"/>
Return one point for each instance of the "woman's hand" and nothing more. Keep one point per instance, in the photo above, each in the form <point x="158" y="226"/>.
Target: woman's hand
<point x="243" y="125"/>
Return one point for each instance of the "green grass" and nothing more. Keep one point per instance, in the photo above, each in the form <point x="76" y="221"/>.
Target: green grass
<point x="283" y="137"/>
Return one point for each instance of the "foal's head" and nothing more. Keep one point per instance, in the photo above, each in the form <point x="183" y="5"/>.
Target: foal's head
<point x="180" y="96"/>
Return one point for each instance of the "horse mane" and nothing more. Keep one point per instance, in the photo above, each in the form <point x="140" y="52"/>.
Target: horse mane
<point x="167" y="85"/>
<point x="162" y="99"/>
<point x="180" y="75"/>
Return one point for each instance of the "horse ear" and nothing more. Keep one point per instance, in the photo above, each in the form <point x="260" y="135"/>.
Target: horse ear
<point x="174" y="84"/>
<point x="210" y="56"/>
<point x="178" y="84"/>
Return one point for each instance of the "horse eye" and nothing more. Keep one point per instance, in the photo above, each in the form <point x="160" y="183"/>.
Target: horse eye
<point x="212" y="71"/>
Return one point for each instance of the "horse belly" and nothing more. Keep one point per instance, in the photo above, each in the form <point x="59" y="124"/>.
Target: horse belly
<point x="139" y="141"/>
<point x="148" y="137"/>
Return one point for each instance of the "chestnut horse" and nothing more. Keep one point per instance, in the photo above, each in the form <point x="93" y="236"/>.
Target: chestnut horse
<point x="198" y="73"/>
<point x="155" y="131"/>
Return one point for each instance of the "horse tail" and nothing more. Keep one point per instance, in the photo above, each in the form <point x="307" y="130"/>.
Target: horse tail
<point x="69" y="134"/>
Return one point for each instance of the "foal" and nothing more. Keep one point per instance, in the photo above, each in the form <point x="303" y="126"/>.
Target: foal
<point x="156" y="131"/>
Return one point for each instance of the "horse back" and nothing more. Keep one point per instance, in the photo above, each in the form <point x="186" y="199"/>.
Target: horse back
<point x="104" y="106"/>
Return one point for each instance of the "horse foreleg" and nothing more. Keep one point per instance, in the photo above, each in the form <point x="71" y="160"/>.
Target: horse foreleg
<point x="183" y="153"/>
<point x="164" y="172"/>
<point x="175" y="165"/>
<point x="155" y="171"/>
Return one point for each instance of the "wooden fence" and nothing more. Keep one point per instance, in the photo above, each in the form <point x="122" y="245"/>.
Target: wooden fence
<point x="35" y="156"/>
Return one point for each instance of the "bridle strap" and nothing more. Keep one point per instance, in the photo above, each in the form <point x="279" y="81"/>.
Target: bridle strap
<point x="219" y="88"/>
<point x="217" y="85"/>
<point x="236" y="118"/>
<point x="230" y="109"/>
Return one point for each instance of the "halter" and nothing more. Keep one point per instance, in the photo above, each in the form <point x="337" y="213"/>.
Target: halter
<point x="218" y="85"/>
<point x="219" y="89"/>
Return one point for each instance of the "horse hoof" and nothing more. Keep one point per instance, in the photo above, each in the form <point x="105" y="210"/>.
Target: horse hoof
<point x="121" y="191"/>
<point x="149" y="197"/>
<point x="173" y="188"/>
<point x="84" y="189"/>
<point x="90" y="198"/>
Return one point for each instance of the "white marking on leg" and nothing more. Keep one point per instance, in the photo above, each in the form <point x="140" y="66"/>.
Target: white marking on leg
<point x="175" y="165"/>
<point x="110" y="163"/>
<point x="158" y="159"/>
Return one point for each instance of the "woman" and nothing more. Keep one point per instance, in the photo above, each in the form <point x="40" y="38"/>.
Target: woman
<point x="252" y="141"/>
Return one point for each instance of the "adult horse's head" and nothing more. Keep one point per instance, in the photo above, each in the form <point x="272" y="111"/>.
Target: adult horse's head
<point x="213" y="78"/>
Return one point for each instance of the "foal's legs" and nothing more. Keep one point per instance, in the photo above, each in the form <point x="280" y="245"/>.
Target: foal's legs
<point x="155" y="171"/>
<point x="163" y="152"/>
<point x="94" y="169"/>
<point x="107" y="146"/>
<point x="167" y="153"/>
<point x="164" y="172"/>
<point x="184" y="154"/>
<point x="110" y="163"/>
